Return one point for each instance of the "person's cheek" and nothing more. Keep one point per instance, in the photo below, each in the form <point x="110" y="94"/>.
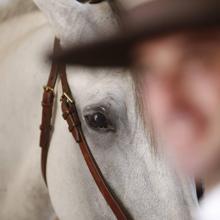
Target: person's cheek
<point x="203" y="90"/>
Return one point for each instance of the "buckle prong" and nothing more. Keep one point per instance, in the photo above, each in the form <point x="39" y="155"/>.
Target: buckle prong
<point x="67" y="98"/>
<point x="48" y="88"/>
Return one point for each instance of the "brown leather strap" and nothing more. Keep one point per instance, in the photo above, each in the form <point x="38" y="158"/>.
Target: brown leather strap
<point x="71" y="116"/>
<point x="47" y="111"/>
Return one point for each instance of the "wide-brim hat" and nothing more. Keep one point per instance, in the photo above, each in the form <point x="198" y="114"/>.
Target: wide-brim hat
<point x="146" y="21"/>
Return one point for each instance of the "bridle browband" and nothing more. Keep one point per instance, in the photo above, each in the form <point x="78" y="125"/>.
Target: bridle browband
<point x="71" y="116"/>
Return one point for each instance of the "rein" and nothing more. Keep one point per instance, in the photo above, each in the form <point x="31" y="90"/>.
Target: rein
<point x="70" y="115"/>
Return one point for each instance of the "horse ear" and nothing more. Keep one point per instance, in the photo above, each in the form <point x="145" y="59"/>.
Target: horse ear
<point x="75" y="22"/>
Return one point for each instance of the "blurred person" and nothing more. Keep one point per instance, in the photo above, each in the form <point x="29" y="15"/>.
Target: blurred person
<point x="179" y="77"/>
<point x="173" y="49"/>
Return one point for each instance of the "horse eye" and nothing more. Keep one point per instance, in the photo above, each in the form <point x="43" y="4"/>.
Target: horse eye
<point x="99" y="121"/>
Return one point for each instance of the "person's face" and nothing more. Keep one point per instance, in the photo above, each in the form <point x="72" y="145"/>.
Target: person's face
<point x="179" y="76"/>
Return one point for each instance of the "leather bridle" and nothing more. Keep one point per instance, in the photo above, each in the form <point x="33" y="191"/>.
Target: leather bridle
<point x="71" y="116"/>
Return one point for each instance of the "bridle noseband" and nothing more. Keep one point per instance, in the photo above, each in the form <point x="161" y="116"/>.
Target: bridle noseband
<point x="71" y="116"/>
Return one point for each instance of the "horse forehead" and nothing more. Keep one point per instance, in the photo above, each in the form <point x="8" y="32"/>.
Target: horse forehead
<point x="76" y="23"/>
<point x="99" y="83"/>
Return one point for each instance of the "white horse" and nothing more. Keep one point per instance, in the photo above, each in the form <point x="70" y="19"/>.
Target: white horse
<point x="144" y="182"/>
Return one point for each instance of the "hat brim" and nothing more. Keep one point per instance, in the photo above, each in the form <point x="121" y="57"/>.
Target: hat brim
<point x="145" y="22"/>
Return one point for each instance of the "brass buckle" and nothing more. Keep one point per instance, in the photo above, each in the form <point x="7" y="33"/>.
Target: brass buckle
<point x="68" y="99"/>
<point x="48" y="88"/>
